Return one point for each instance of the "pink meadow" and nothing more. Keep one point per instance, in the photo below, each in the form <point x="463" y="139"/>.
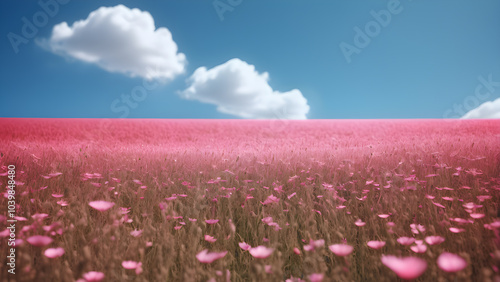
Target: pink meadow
<point x="233" y="200"/>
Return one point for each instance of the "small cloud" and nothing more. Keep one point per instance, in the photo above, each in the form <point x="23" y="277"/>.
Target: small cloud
<point x="119" y="39"/>
<point x="236" y="88"/>
<point x="487" y="110"/>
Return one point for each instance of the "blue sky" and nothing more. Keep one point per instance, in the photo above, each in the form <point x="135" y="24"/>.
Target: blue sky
<point x="426" y="62"/>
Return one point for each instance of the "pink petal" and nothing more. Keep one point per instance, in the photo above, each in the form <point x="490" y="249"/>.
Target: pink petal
<point x="206" y="257"/>
<point x="93" y="276"/>
<point x="211" y="221"/>
<point x="101" y="205"/>
<point x="39" y="240"/>
<point x="359" y="223"/>
<point x="477" y="215"/>
<point x="54" y="252"/>
<point x="244" y="246"/>
<point x="316" y="277"/>
<point x="450" y="262"/>
<point x="406" y="241"/>
<point x="434" y="240"/>
<point x="136" y="233"/>
<point x="341" y="249"/>
<point x="438" y="205"/>
<point x="419" y="248"/>
<point x="210" y="239"/>
<point x="129" y="264"/>
<point x="407" y="267"/>
<point x="456" y="230"/>
<point x="39" y="216"/>
<point x="261" y="252"/>
<point x="376" y="244"/>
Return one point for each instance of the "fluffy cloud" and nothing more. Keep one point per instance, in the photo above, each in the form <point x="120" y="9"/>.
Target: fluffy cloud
<point x="123" y="40"/>
<point x="490" y="109"/>
<point x="236" y="88"/>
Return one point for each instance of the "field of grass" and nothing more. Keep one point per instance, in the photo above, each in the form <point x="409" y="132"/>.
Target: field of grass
<point x="233" y="200"/>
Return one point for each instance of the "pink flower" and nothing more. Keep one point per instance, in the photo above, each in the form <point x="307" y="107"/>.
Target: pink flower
<point x="482" y="198"/>
<point x="383" y="215"/>
<point x="54" y="174"/>
<point x="308" y="248"/>
<point x="477" y="215"/>
<point x="456" y="230"/>
<point x="136" y="233"/>
<point x="406" y="241"/>
<point x="407" y="267"/>
<point x="206" y="257"/>
<point x="101" y="205"/>
<point x="296" y="251"/>
<point x="341" y="249"/>
<point x="62" y="203"/>
<point x="211" y="221"/>
<point x="434" y="240"/>
<point x="267" y="220"/>
<point x="416" y="229"/>
<point x="450" y="262"/>
<point x="318" y="243"/>
<point x="438" y="205"/>
<point x="261" y="252"/>
<point x="461" y="220"/>
<point x="54" y="252"/>
<point x="269" y="268"/>
<point x="210" y="239"/>
<point x="138" y="269"/>
<point x="93" y="276"/>
<point x="376" y="244"/>
<point x="359" y="223"/>
<point x="130" y="264"/>
<point x="471" y="206"/>
<point x="5" y="233"/>
<point x="18" y="242"/>
<point x="39" y="216"/>
<point x="419" y="248"/>
<point x="244" y="246"/>
<point x="316" y="277"/>
<point x="271" y="200"/>
<point x="39" y="240"/>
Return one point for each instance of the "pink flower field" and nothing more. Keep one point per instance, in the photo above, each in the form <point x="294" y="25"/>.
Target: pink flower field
<point x="243" y="200"/>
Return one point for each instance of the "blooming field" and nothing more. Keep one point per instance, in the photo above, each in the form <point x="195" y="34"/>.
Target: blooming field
<point x="198" y="200"/>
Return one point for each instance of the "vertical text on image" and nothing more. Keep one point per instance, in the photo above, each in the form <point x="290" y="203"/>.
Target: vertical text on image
<point x="11" y="206"/>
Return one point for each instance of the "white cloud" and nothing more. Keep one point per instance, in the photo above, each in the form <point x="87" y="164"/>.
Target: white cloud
<point x="123" y="40"/>
<point x="490" y="109"/>
<point x="236" y="88"/>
